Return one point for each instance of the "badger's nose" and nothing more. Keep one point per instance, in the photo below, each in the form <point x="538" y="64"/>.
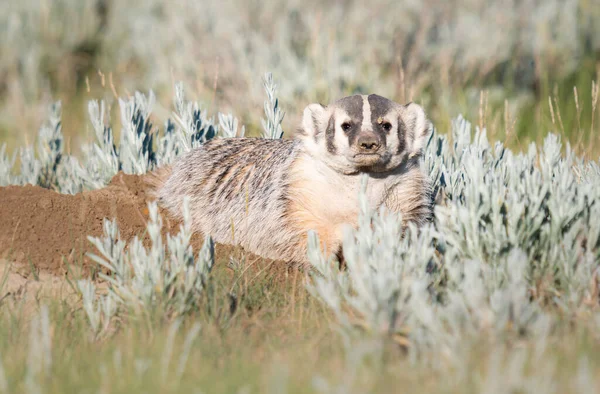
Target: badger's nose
<point x="368" y="143"/>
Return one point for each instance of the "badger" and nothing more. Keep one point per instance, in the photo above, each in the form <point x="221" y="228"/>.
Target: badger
<point x="266" y="194"/>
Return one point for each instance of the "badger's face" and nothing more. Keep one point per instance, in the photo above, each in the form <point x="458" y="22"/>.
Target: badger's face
<point x="364" y="133"/>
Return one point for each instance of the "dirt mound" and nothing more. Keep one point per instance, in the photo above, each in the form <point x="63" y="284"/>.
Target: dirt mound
<point x="40" y="227"/>
<point x="24" y="293"/>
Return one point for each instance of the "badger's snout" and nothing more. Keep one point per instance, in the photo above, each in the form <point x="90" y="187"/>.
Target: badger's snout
<point x="368" y="143"/>
<point x="367" y="149"/>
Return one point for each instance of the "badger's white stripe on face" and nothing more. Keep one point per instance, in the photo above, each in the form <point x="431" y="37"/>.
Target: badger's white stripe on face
<point x="366" y="112"/>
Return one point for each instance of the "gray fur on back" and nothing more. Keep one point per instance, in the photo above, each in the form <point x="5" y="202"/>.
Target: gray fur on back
<point x="237" y="189"/>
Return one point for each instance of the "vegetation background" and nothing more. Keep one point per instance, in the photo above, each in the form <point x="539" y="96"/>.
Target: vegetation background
<point x="497" y="62"/>
<point x="500" y="294"/>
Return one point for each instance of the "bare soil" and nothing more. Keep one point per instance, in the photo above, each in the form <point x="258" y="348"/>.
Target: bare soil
<point x="44" y="231"/>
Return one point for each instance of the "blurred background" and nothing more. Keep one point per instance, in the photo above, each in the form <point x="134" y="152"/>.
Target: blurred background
<point x="519" y="68"/>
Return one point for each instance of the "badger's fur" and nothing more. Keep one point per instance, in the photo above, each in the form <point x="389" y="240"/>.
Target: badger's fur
<point x="266" y="194"/>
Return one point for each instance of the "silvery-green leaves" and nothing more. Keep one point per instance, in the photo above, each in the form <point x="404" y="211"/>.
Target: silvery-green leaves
<point x="168" y="278"/>
<point x="511" y="233"/>
<point x="142" y="146"/>
<point x="229" y="126"/>
<point x="194" y="127"/>
<point x="6" y="164"/>
<point x="38" y="166"/>
<point x="274" y="114"/>
<point x="50" y="147"/>
<point x="137" y="153"/>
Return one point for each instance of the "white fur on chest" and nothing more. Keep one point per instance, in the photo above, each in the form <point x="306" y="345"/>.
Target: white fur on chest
<point x="333" y="197"/>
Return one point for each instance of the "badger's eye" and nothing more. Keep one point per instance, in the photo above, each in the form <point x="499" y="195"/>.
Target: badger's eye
<point x="386" y="126"/>
<point x="346" y="126"/>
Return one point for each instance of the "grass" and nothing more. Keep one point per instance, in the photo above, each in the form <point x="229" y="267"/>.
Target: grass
<point x="511" y="115"/>
<point x="273" y="312"/>
<point x="111" y="52"/>
<point x="517" y="117"/>
<point x="279" y="339"/>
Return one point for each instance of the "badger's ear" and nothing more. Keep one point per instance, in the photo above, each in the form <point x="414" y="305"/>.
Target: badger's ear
<point x="313" y="120"/>
<point x="417" y="128"/>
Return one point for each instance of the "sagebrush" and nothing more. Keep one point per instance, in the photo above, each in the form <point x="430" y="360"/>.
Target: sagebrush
<point x="512" y="253"/>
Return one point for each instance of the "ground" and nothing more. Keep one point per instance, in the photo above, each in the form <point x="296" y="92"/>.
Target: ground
<point x="45" y="231"/>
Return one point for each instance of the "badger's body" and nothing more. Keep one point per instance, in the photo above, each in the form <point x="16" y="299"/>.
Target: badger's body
<point x="265" y="194"/>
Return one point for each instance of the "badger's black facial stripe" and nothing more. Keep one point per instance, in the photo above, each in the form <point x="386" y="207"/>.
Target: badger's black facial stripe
<point x="330" y="136"/>
<point x="380" y="107"/>
<point x="353" y="107"/>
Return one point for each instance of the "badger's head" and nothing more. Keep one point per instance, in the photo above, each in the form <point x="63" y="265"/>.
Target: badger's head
<point x="364" y="133"/>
